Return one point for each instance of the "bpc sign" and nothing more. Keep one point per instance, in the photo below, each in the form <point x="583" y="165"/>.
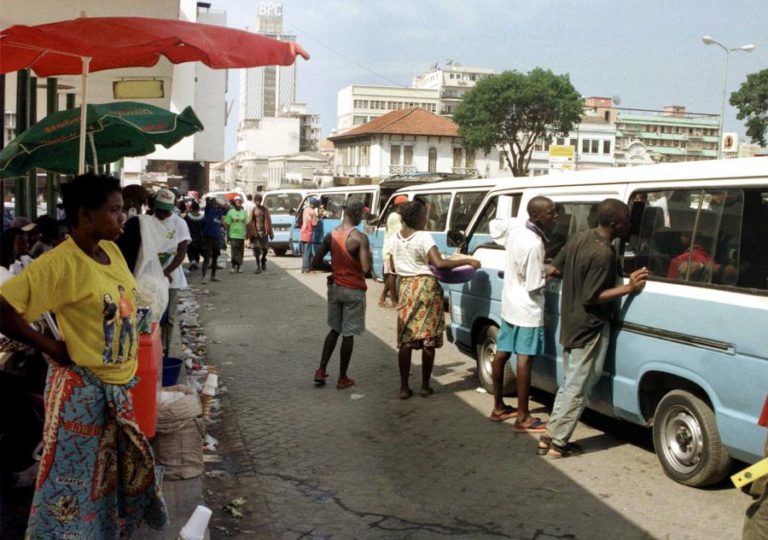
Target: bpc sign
<point x="270" y="9"/>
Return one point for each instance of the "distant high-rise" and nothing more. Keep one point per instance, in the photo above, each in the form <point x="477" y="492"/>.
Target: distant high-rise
<point x="268" y="91"/>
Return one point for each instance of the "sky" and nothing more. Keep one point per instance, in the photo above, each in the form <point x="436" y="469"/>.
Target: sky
<point x="647" y="53"/>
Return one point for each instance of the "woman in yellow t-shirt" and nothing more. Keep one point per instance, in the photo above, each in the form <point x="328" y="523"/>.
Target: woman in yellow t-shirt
<point x="96" y="476"/>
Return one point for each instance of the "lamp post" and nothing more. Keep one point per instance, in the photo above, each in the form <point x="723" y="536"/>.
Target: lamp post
<point x="709" y="40"/>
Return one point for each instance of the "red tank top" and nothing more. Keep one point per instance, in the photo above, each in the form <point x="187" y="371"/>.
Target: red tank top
<point x="347" y="271"/>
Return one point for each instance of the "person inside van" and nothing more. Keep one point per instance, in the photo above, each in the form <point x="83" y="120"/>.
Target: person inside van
<point x="420" y="318"/>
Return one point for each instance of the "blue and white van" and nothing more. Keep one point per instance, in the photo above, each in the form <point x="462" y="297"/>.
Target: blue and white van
<point x="688" y="355"/>
<point x="450" y="205"/>
<point x="282" y="205"/>
<point x="331" y="211"/>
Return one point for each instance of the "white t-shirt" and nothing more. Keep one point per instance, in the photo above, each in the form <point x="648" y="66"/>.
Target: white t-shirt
<point x="522" y="299"/>
<point x="176" y="231"/>
<point x="410" y="254"/>
<point x="394" y="224"/>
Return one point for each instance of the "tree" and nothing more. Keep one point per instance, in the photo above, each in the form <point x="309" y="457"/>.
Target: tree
<point x="752" y="101"/>
<point x="513" y="110"/>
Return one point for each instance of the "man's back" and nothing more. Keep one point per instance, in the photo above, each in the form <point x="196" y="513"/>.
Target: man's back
<point x="346" y="262"/>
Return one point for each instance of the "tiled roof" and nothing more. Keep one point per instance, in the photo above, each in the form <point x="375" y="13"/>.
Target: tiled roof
<point x="411" y="121"/>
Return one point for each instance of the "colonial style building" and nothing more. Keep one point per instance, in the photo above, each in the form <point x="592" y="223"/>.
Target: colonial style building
<point x="410" y="140"/>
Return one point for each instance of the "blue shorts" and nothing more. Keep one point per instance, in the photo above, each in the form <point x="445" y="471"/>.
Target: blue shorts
<point x="520" y="339"/>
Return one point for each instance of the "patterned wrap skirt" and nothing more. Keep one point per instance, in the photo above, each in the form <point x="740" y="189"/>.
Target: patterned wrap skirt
<point x="420" y="320"/>
<point x="97" y="473"/>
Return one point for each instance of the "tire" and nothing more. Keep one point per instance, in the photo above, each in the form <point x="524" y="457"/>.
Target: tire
<point x="486" y="350"/>
<point x="687" y="442"/>
<point x="280" y="252"/>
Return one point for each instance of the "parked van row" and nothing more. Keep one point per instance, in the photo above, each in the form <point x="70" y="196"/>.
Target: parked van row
<point x="688" y="355"/>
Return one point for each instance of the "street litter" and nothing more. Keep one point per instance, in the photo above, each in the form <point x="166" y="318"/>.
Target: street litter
<point x="481" y="390"/>
<point x="210" y="443"/>
<point x="356" y="396"/>
<point x="212" y="458"/>
<point x="234" y="507"/>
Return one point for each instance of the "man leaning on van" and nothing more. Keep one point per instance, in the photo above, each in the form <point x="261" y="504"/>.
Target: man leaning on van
<point x="589" y="267"/>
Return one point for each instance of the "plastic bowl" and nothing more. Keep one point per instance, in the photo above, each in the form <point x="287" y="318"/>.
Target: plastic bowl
<point x="460" y="274"/>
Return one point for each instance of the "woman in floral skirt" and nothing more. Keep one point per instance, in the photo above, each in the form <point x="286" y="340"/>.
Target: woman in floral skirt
<point x="420" y="319"/>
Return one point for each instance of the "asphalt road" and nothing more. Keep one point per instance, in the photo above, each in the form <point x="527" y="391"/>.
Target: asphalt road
<point x="360" y="463"/>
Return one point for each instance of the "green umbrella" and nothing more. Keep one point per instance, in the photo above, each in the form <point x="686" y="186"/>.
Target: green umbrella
<point x="113" y="131"/>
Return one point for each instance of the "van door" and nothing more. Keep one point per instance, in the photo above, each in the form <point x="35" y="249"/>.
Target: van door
<point x="576" y="213"/>
<point x="438" y="205"/>
<point x="376" y="239"/>
<point x="465" y="204"/>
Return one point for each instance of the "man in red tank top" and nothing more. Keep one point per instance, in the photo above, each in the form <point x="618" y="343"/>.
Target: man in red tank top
<point x="350" y="264"/>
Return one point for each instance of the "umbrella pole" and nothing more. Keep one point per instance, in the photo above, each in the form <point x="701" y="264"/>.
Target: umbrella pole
<point x="83" y="113"/>
<point x="93" y="151"/>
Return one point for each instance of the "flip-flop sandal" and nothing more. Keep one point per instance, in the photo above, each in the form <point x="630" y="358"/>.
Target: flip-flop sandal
<point x="406" y="394"/>
<point x="383" y="304"/>
<point x="536" y="426"/>
<point x="508" y="412"/>
<point x="544" y="443"/>
<point x="426" y="392"/>
<point x="560" y="452"/>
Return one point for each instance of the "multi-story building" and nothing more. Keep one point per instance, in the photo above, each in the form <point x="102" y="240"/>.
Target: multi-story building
<point x="358" y="104"/>
<point x="410" y="140"/>
<point x="298" y="170"/>
<point x="451" y="82"/>
<point x="671" y="134"/>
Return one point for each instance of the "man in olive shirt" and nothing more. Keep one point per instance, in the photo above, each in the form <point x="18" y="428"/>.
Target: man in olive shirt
<point x="589" y="267"/>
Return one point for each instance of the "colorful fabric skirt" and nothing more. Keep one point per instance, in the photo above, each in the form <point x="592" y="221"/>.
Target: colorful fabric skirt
<point x="420" y="320"/>
<point x="97" y="473"/>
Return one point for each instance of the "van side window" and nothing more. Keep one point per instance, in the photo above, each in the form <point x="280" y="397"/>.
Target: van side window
<point x="572" y="218"/>
<point x="480" y="234"/>
<point x="332" y="205"/>
<point x="367" y="199"/>
<point x="464" y="207"/>
<point x="703" y="236"/>
<point x="437" y="205"/>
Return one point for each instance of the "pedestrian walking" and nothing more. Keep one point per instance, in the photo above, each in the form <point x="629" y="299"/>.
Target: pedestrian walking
<point x="589" y="267"/>
<point x="212" y="237"/>
<point x="260" y="232"/>
<point x="173" y="250"/>
<point x="195" y="222"/>
<point x="393" y="226"/>
<point x="235" y="221"/>
<point x="420" y="319"/>
<point x="350" y="264"/>
<point x="522" y="307"/>
<point x="96" y="477"/>
<point x="309" y="219"/>
<point x="756" y="519"/>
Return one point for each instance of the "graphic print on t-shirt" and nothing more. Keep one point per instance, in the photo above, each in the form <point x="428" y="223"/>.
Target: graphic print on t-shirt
<point x="123" y="310"/>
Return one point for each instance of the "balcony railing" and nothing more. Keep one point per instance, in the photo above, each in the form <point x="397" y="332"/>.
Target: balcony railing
<point x="401" y="169"/>
<point x="468" y="171"/>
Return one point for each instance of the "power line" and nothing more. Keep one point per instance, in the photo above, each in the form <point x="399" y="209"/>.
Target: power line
<point x="348" y="59"/>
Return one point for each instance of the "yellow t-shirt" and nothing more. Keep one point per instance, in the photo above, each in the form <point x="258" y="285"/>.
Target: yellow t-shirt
<point x="95" y="306"/>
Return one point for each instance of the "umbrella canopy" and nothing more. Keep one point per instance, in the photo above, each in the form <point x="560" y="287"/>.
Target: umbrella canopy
<point x="113" y="131"/>
<point x="85" y="45"/>
<point x="119" y="42"/>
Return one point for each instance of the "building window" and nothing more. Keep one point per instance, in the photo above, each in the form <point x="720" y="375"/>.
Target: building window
<point x="458" y="155"/>
<point x="470" y="159"/>
<point x="432" y="165"/>
<point x="407" y="155"/>
<point x="394" y="155"/>
<point x="503" y="158"/>
<point x="585" y="146"/>
<point x="607" y="147"/>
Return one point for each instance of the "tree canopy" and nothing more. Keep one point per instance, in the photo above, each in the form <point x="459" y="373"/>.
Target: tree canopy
<point x="513" y="110"/>
<point x="751" y="99"/>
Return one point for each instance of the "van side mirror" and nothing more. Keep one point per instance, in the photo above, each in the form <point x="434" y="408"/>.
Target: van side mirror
<point x="456" y="238"/>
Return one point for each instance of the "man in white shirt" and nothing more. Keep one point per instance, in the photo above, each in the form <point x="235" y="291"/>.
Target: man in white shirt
<point x="173" y="249"/>
<point x="522" y="307"/>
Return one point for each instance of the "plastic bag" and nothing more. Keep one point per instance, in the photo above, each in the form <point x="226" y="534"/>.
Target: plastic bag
<point x="151" y="283"/>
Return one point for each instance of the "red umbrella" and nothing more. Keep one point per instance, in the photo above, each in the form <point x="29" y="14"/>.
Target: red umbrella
<point x="85" y="45"/>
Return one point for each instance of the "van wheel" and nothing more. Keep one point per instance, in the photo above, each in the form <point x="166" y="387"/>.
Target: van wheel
<point x="687" y="442"/>
<point x="486" y="350"/>
<point x="280" y="252"/>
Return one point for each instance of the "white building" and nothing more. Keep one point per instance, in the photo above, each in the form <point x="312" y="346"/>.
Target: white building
<point x="257" y="141"/>
<point x="297" y="170"/>
<point x="408" y="141"/>
<point x="594" y="144"/>
<point x="451" y="82"/>
<point x="358" y="104"/>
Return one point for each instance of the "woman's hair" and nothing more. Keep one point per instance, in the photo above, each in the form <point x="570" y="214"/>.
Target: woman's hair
<point x="87" y="192"/>
<point x="411" y="212"/>
<point x="105" y="297"/>
<point x="7" y="251"/>
<point x="195" y="206"/>
<point x="134" y="196"/>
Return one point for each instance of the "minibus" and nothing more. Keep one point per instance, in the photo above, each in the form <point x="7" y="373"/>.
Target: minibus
<point x="282" y="205"/>
<point x="450" y="205"/>
<point x="688" y="354"/>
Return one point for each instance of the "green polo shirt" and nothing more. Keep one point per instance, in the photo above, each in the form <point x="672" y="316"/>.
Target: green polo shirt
<point x="236" y="220"/>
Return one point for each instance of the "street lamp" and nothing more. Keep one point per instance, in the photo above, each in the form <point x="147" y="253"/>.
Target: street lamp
<point x="709" y="40"/>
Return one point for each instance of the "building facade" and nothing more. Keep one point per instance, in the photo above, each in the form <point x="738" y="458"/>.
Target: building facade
<point x="358" y="104"/>
<point x="407" y="141"/>
<point x="303" y="169"/>
<point x="451" y="83"/>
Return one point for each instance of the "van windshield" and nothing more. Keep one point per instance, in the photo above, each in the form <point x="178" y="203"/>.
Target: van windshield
<point x="282" y="203"/>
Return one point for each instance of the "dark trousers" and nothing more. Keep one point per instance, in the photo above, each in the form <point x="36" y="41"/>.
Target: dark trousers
<point x="211" y="252"/>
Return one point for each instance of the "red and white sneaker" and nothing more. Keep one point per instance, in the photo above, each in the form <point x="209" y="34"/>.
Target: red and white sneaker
<point x="320" y="376"/>
<point x="346" y="382"/>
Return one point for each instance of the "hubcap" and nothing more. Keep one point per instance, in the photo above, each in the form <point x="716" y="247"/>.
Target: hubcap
<point x="683" y="442"/>
<point x="488" y="352"/>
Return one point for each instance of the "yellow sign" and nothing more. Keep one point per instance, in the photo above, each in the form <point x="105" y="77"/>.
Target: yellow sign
<point x="561" y="151"/>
